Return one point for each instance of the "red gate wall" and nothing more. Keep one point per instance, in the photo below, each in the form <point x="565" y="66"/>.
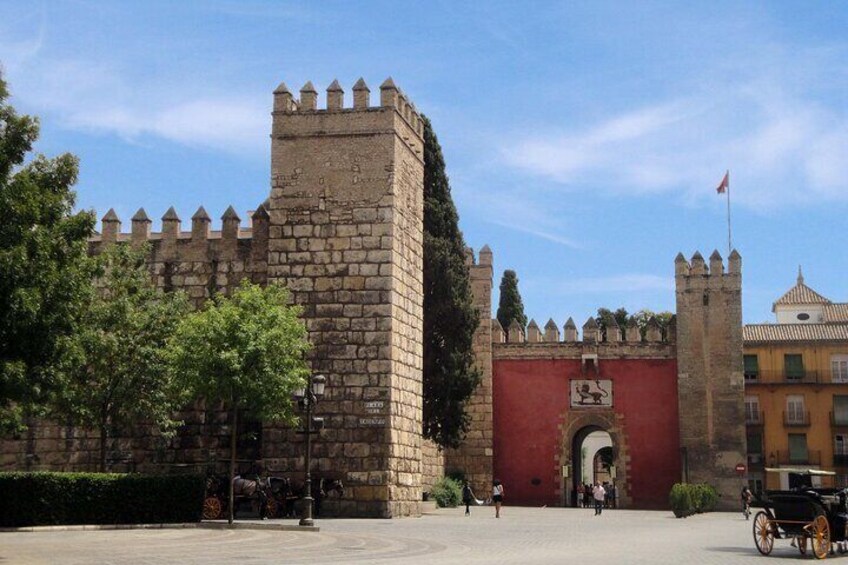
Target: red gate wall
<point x="531" y="404"/>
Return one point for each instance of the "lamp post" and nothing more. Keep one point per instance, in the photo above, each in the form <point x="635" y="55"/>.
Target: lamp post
<point x="307" y="398"/>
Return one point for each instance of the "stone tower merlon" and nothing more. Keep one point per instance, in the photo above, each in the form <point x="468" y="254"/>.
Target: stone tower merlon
<point x="710" y="378"/>
<point x="346" y="237"/>
<point x="201" y="261"/>
<point x="390" y="97"/>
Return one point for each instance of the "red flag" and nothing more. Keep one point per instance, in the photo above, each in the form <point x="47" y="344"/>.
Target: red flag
<point x="725" y="183"/>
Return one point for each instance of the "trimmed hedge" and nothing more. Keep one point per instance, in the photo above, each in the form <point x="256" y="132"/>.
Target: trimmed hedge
<point x="687" y="499"/>
<point x="46" y="499"/>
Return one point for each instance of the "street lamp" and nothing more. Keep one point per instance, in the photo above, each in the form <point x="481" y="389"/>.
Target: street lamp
<point x="306" y="398"/>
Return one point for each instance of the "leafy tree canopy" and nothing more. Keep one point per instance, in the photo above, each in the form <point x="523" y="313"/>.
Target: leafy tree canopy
<point x="642" y="317"/>
<point x="510" y="306"/>
<point x="119" y="375"/>
<point x="45" y="273"/>
<point x="248" y="351"/>
<point x="450" y="318"/>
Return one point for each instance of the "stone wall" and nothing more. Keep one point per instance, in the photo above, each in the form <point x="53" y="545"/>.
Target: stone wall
<point x="474" y="456"/>
<point x="710" y="378"/>
<point x="432" y="465"/>
<point x="346" y="237"/>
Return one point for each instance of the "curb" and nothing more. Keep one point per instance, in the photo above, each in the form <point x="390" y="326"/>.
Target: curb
<point x="184" y="526"/>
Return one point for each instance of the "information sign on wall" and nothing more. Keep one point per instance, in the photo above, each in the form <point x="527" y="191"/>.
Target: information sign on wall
<point x="591" y="393"/>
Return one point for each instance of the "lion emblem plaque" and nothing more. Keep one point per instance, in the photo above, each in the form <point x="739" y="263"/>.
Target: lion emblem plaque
<point x="591" y="393"/>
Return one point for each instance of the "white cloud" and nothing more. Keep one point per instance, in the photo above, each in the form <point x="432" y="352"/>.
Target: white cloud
<point x="783" y="142"/>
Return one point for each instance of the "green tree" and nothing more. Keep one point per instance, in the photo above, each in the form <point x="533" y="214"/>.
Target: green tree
<point x="247" y="351"/>
<point x="450" y="318"/>
<point x="120" y="375"/>
<point x="644" y="316"/>
<point x="510" y="306"/>
<point x="606" y="316"/>
<point x="45" y="272"/>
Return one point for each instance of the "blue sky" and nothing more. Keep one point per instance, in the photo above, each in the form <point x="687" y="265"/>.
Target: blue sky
<point x="584" y="140"/>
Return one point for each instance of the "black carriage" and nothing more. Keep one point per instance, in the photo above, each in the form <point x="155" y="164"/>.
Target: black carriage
<point x="811" y="517"/>
<point x="257" y="493"/>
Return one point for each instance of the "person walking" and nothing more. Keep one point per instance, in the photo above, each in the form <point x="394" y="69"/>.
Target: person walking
<point x="497" y="496"/>
<point x="598" y="493"/>
<point x="467" y="497"/>
<point x="581" y="490"/>
<point x="745" y="498"/>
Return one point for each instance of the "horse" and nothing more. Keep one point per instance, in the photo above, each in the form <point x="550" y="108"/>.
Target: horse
<point x="255" y="490"/>
<point x="322" y="487"/>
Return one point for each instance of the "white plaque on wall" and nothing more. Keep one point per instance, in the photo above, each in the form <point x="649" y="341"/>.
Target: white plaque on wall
<point x="591" y="393"/>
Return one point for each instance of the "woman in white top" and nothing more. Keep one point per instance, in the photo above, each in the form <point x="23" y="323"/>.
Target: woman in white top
<point x="497" y="496"/>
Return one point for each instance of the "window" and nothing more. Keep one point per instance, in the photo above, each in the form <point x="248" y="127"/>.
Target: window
<point x="840" y="450"/>
<point x="752" y="410"/>
<point x="756" y="485"/>
<point x="795" y="412"/>
<point x="803" y="316"/>
<point x="793" y="365"/>
<point x="797" y="448"/>
<point x="755" y="447"/>
<point x="840" y="410"/>
<point x="752" y="367"/>
<point x="839" y="368"/>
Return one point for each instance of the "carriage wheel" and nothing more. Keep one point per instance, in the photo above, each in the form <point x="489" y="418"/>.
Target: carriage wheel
<point x="271" y="507"/>
<point x="820" y="539"/>
<point x="211" y="508"/>
<point x="763" y="533"/>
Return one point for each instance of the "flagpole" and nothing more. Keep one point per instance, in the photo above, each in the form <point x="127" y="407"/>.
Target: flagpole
<point x="729" y="239"/>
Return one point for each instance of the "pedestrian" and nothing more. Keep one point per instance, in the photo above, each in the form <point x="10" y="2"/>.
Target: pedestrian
<point x="581" y="490"/>
<point x="613" y="495"/>
<point x="467" y="497"/>
<point x="745" y="498"/>
<point x="598" y="493"/>
<point x="497" y="496"/>
<point x="587" y="495"/>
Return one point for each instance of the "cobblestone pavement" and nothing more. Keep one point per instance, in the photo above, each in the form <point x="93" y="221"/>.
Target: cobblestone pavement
<point x="522" y="535"/>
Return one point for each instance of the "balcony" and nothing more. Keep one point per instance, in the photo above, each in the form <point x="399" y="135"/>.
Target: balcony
<point x="838" y="421"/>
<point x="808" y="458"/>
<point x="796" y="419"/>
<point x="780" y="376"/>
<point x="755" y="418"/>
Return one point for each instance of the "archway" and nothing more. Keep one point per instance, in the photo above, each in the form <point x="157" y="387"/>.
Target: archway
<point x="593" y="459"/>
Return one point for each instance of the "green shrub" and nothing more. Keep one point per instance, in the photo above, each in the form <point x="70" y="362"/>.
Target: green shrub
<point x="447" y="492"/>
<point x="687" y="499"/>
<point x="36" y="499"/>
<point x="680" y="499"/>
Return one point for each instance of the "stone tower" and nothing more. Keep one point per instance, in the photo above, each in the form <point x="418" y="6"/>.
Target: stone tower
<point x="710" y="377"/>
<point x="346" y="221"/>
<point x="475" y="455"/>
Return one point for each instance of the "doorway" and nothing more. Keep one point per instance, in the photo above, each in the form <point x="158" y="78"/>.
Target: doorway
<point x="593" y="459"/>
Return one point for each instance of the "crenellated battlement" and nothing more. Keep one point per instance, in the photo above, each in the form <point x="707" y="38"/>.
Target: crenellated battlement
<point x="697" y="266"/>
<point x="201" y="227"/>
<point x="533" y="335"/>
<point x="201" y="261"/>
<point x="391" y="97"/>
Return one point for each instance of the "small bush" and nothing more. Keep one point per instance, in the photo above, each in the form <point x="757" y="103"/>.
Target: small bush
<point x="40" y="499"/>
<point x="447" y="493"/>
<point x="687" y="499"/>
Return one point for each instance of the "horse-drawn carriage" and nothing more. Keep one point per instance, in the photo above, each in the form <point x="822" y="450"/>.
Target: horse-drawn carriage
<point x="273" y="497"/>
<point x="814" y="516"/>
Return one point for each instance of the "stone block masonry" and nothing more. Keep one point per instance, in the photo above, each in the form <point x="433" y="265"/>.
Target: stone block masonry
<point x="346" y="237"/>
<point x="710" y="378"/>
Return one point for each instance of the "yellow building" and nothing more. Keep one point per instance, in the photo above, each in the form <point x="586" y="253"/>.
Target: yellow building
<point x="796" y="388"/>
